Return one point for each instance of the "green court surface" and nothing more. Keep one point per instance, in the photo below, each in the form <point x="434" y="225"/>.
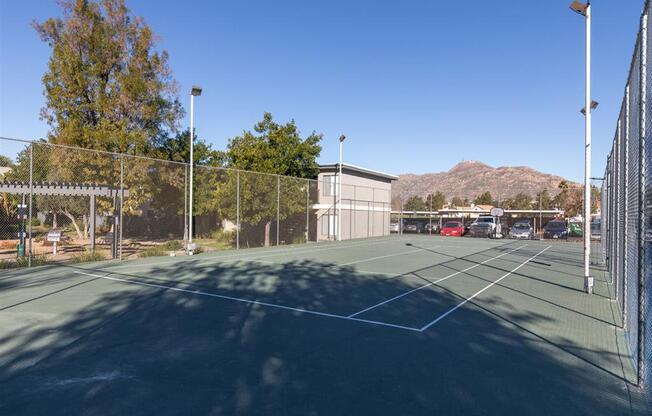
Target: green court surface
<point x="418" y="325"/>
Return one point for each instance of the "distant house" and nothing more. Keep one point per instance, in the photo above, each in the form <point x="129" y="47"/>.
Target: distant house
<point x="366" y="202"/>
<point x="472" y="211"/>
<point x="4" y="170"/>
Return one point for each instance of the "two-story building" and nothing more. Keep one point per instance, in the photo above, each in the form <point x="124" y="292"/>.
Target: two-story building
<point x="365" y="202"/>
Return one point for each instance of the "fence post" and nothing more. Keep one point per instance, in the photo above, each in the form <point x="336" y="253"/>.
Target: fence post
<point x="354" y="208"/>
<point x="122" y="196"/>
<point x="400" y="217"/>
<point x="278" y="207"/>
<point x="430" y="216"/>
<point x="185" y="206"/>
<point x="626" y="209"/>
<point x="307" y="210"/>
<point x="642" y="304"/>
<point x="31" y="201"/>
<point x="237" y="210"/>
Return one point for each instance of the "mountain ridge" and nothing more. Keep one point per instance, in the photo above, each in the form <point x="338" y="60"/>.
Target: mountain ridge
<point x="470" y="178"/>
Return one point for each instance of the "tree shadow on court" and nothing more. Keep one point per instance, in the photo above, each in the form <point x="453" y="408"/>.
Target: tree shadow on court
<point x="115" y="347"/>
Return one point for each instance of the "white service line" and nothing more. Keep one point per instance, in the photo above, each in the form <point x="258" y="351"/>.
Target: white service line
<point x="249" y="301"/>
<point x="435" y="282"/>
<point x="459" y="305"/>
<point x="243" y="255"/>
<point x="386" y="256"/>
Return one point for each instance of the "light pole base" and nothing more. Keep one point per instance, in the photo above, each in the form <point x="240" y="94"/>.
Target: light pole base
<point x="588" y="284"/>
<point x="190" y="248"/>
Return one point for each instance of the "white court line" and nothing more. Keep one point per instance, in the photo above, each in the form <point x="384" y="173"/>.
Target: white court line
<point x="386" y="256"/>
<point x="459" y="305"/>
<point x="243" y="255"/>
<point x="434" y="283"/>
<point x="249" y="301"/>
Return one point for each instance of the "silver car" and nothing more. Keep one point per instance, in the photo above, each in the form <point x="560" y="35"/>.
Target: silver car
<point x="521" y="231"/>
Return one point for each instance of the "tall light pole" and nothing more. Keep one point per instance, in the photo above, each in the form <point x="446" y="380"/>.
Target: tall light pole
<point x="194" y="92"/>
<point x="589" y="106"/>
<point x="339" y="193"/>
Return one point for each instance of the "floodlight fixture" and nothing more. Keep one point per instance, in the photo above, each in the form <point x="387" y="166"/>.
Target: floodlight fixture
<point x="594" y="105"/>
<point x="195" y="91"/>
<point x="579" y="7"/>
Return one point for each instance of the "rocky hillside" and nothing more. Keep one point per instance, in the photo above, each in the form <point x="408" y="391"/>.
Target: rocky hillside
<point x="470" y="178"/>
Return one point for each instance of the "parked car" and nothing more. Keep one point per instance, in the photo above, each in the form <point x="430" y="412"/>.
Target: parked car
<point x="411" y="227"/>
<point x="452" y="228"/>
<point x="431" y="228"/>
<point x="467" y="227"/>
<point x="487" y="219"/>
<point x="575" y="229"/>
<point x="480" y="229"/>
<point x="521" y="231"/>
<point x="556" y="229"/>
<point x="393" y="227"/>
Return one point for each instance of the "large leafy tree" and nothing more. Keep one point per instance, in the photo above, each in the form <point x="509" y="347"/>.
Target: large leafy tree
<point x="484" y="198"/>
<point x="415" y="203"/>
<point x="276" y="149"/>
<point x="106" y="86"/>
<point x="543" y="200"/>
<point x="457" y="202"/>
<point x="437" y="200"/>
<point x="571" y="199"/>
<point x="519" y="201"/>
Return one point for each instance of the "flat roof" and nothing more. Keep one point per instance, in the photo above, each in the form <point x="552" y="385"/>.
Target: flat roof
<point x="359" y="169"/>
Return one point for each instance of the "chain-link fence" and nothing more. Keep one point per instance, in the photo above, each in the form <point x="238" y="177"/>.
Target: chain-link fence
<point x="627" y="208"/>
<point x="63" y="203"/>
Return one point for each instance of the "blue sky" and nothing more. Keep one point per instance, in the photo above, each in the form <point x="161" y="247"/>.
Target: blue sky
<point x="416" y="86"/>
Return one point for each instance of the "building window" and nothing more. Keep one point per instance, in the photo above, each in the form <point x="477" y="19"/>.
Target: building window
<point x="329" y="185"/>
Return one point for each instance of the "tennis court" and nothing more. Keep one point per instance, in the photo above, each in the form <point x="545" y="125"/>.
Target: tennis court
<point x="398" y="325"/>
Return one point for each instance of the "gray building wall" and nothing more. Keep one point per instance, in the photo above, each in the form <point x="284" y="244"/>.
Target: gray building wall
<point x="366" y="203"/>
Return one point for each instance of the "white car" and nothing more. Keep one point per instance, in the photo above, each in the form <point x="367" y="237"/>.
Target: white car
<point x="494" y="225"/>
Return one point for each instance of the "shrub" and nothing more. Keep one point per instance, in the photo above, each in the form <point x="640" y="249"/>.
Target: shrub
<point x="222" y="236"/>
<point x="23" y="262"/>
<point x="154" y="252"/>
<point x="87" y="256"/>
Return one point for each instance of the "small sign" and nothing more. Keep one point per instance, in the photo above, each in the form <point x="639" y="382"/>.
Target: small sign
<point x="54" y="236"/>
<point x="497" y="212"/>
<point x="21" y="211"/>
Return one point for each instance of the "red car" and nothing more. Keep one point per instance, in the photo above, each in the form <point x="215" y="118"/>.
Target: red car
<point x="453" y="228"/>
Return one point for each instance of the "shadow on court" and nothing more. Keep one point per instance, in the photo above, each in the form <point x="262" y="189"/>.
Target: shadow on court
<point x="76" y="344"/>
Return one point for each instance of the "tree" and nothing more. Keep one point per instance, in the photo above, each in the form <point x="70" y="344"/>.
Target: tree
<point x="543" y="200"/>
<point x="5" y="199"/>
<point x="277" y="148"/>
<point x="571" y="200"/>
<point x="438" y="200"/>
<point x="457" y="202"/>
<point x="106" y="87"/>
<point x="271" y="149"/>
<point x="483" y="199"/>
<point x="519" y="201"/>
<point x="415" y="203"/>
<point x="6" y="161"/>
<point x="177" y="148"/>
